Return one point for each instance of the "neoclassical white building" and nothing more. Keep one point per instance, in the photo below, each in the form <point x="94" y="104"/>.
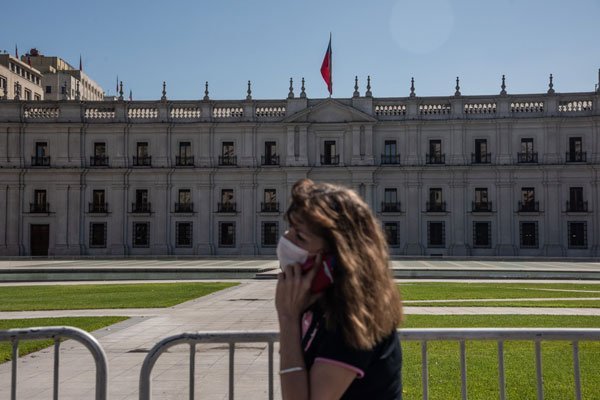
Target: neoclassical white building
<point x="497" y="175"/>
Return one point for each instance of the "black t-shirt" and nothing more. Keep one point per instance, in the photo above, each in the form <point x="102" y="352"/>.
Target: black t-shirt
<point x="377" y="370"/>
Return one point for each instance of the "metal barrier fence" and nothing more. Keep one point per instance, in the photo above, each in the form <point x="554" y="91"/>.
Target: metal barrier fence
<point x="56" y="333"/>
<point x="500" y="335"/>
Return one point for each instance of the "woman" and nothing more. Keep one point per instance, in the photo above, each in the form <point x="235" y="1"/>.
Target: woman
<point x="341" y="342"/>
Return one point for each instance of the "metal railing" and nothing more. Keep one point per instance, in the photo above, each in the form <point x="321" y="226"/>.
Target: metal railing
<point x="424" y="336"/>
<point x="16" y="335"/>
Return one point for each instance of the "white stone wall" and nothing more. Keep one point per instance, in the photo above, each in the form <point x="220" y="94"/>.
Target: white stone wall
<point x="359" y="129"/>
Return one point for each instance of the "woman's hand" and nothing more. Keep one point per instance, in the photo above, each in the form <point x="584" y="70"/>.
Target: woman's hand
<point x="293" y="294"/>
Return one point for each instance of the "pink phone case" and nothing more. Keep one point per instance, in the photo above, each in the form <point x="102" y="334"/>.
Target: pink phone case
<point x="324" y="277"/>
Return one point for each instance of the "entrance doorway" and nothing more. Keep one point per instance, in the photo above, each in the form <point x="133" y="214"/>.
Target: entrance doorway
<point x="39" y="239"/>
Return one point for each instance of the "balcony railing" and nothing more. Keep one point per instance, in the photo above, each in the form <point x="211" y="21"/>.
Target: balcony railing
<point x="187" y="207"/>
<point x="39" y="207"/>
<point x="481" y="206"/>
<point x="182" y="161"/>
<point x="527" y="158"/>
<point x="98" y="161"/>
<point x="269" y="160"/>
<point x="272" y="206"/>
<point x="529" y="206"/>
<point x="390" y="159"/>
<point x="40" y="161"/>
<point x="141" y="207"/>
<point x="330" y="159"/>
<point x="577" y="206"/>
<point x="481" y="158"/>
<point x="143" y="161"/>
<point x="436" y="206"/>
<point x="227" y="160"/>
<point x="390" y="207"/>
<point x="98" y="207"/>
<point x="576" y="156"/>
<point x="226" y="207"/>
<point x="435" y="158"/>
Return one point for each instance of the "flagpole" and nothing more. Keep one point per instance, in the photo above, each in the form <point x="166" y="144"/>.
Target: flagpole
<point x="331" y="64"/>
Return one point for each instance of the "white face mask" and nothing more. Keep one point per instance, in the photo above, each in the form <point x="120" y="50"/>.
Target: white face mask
<point x="288" y="253"/>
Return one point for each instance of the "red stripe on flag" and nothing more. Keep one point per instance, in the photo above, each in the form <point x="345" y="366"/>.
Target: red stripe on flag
<point x="326" y="70"/>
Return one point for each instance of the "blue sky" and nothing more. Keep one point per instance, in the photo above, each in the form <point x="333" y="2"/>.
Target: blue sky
<point x="229" y="42"/>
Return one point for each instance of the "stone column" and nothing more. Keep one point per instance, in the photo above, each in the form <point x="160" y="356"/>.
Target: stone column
<point x="503" y="143"/>
<point x="458" y="245"/>
<point x="552" y="155"/>
<point x="204" y="221"/>
<point x="413" y="149"/>
<point x="505" y="243"/>
<point x="456" y="145"/>
<point x="59" y="205"/>
<point x="159" y="220"/>
<point x="248" y="209"/>
<point x="413" y="185"/>
<point x="552" y="215"/>
<point x="118" y="229"/>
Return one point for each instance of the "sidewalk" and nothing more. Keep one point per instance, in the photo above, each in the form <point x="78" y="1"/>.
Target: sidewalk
<point x="248" y="306"/>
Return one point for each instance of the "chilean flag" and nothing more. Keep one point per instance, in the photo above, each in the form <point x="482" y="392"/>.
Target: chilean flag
<point x="326" y="68"/>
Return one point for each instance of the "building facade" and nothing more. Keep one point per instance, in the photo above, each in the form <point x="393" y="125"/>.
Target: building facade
<point x="62" y="81"/>
<point x="498" y="175"/>
<point x="19" y="80"/>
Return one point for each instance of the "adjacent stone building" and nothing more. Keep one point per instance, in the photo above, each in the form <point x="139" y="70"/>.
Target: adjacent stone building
<point x="19" y="80"/>
<point x="497" y="175"/>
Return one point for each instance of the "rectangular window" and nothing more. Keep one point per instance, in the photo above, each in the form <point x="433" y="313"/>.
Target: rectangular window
<point x="98" y="234"/>
<point x="528" y="203"/>
<point x="390" y="200"/>
<point x="141" y="234"/>
<point x="576" y="153"/>
<point x="270" y="234"/>
<point x="227" y="149"/>
<point x="270" y="157"/>
<point x="185" y="196"/>
<point x="578" y="235"/>
<point x="3" y="85"/>
<point x="528" y="232"/>
<point x="37" y="97"/>
<point x="392" y="233"/>
<point x="481" y="152"/>
<point x="481" y="202"/>
<point x="436" y="234"/>
<point x="389" y="148"/>
<point x="141" y="205"/>
<point x="435" y="155"/>
<point x="41" y="148"/>
<point x="185" y="149"/>
<point x="330" y="155"/>
<point x="435" y="203"/>
<point x="98" y="201"/>
<point x="390" y="153"/>
<point x="227" y="204"/>
<point x="183" y="233"/>
<point x="142" y="149"/>
<point x="226" y="234"/>
<point x="227" y="156"/>
<point x="576" y="202"/>
<point x="28" y="94"/>
<point x="482" y="234"/>
<point x="99" y="149"/>
<point x="527" y="154"/>
<point x="39" y="198"/>
<point x="142" y="158"/>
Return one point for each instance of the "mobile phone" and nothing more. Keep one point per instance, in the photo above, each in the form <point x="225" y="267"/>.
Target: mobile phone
<point x="324" y="277"/>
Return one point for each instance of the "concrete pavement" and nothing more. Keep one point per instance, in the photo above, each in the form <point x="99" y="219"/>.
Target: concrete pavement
<point x="248" y="306"/>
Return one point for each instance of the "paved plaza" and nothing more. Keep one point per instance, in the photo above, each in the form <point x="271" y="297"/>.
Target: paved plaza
<point x="248" y="306"/>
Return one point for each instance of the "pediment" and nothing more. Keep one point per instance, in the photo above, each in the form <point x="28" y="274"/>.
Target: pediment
<point x="330" y="111"/>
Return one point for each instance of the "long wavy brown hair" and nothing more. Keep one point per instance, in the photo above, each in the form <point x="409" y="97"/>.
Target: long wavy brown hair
<point x="364" y="301"/>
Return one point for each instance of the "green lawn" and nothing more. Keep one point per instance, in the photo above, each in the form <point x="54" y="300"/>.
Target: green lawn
<point x="88" y="324"/>
<point x="80" y="297"/>
<point x="482" y="370"/>
<point x="420" y="294"/>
